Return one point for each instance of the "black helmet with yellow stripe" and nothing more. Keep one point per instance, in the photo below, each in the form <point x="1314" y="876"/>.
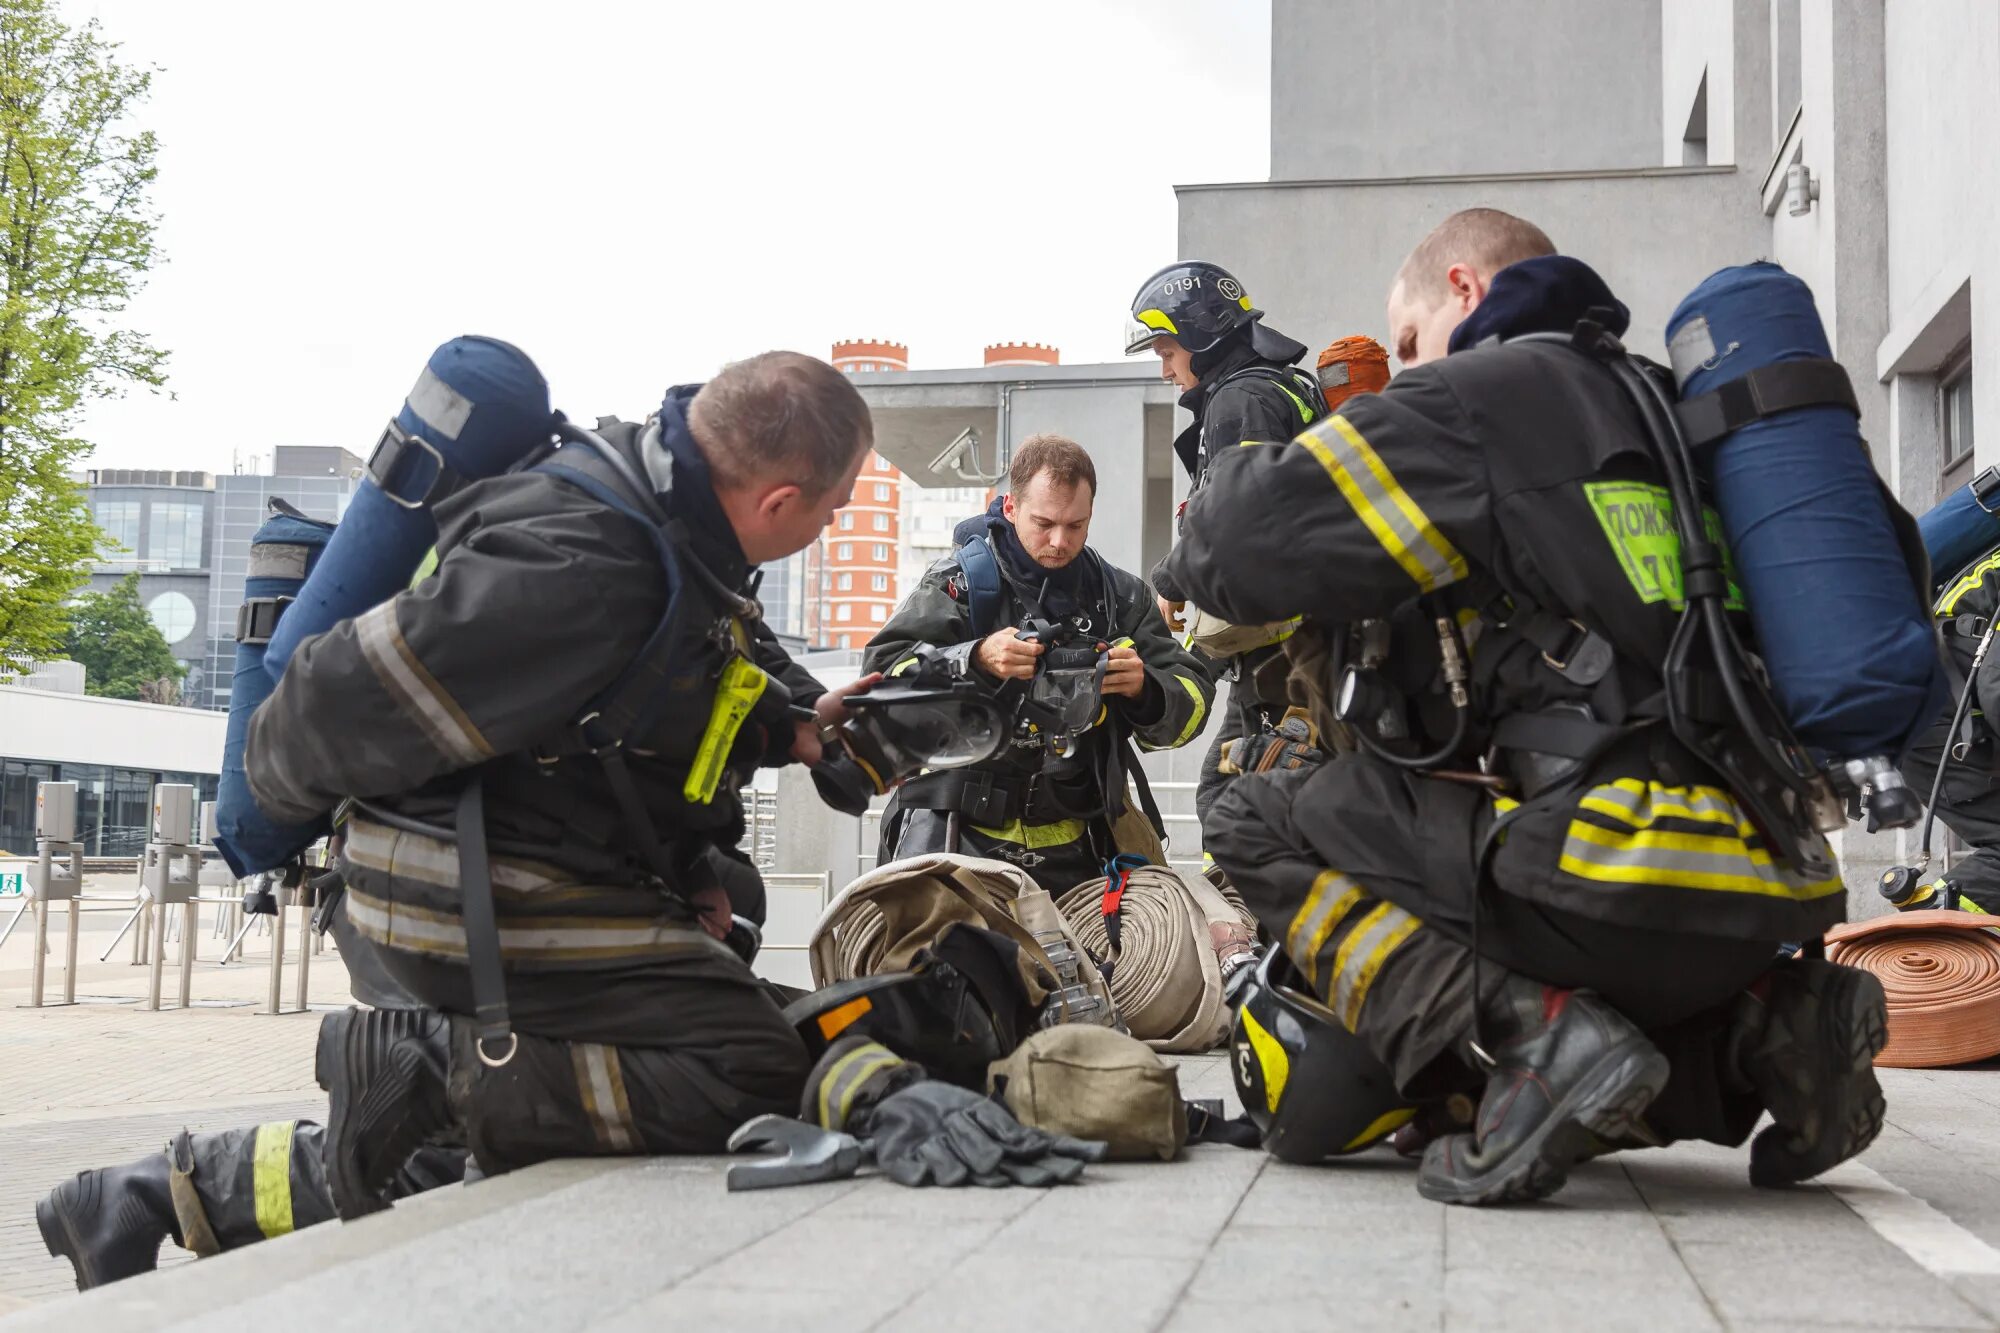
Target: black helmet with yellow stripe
<point x="1311" y="1087"/>
<point x="1196" y="304"/>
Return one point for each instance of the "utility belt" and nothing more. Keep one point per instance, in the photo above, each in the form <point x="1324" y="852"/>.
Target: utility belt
<point x="993" y="799"/>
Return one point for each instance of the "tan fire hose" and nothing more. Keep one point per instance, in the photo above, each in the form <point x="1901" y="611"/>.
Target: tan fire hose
<point x="1166" y="973"/>
<point x="1941" y="973"/>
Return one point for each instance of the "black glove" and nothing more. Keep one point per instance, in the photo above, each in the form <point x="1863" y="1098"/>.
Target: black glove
<point x="923" y="1132"/>
<point x="934" y="1133"/>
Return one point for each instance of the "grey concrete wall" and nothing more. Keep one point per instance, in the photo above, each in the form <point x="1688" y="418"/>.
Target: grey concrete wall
<point x="1109" y="422"/>
<point x="1321" y="256"/>
<point x="1364" y="89"/>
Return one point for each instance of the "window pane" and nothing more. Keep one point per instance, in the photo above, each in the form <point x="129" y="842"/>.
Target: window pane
<point x="120" y="521"/>
<point x="174" y="536"/>
<point x="844" y="551"/>
<point x="881" y="551"/>
<point x="173" y="615"/>
<point x="881" y="522"/>
<point x="846" y="521"/>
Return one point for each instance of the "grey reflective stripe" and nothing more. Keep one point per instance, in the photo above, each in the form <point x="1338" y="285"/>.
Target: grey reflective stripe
<point x="850" y="1074"/>
<point x="565" y="939"/>
<point x="1707" y="809"/>
<point x="1642" y="860"/>
<point x="439" y="406"/>
<point x="278" y="560"/>
<point x="1333" y="896"/>
<point x="419" y="693"/>
<point x="601" y="1082"/>
<point x="429" y="860"/>
<point x="1361" y="956"/>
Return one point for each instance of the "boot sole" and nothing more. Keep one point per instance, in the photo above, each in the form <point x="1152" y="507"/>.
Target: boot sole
<point x="1857" y="1001"/>
<point x="1609" y="1102"/>
<point x="403" y="1069"/>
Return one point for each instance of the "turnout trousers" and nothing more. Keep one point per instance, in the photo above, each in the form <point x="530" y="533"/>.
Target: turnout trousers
<point x="1969" y="806"/>
<point x="1367" y="873"/>
<point x="639" y="1060"/>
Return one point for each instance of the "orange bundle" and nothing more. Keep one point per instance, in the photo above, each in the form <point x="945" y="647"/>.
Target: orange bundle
<point x="1348" y="366"/>
<point x="1941" y="974"/>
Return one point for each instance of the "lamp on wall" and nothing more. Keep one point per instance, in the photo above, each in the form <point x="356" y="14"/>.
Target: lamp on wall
<point x="1801" y="189"/>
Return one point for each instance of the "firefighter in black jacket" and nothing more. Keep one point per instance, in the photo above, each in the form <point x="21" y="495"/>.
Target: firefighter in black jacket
<point x="1241" y="381"/>
<point x="1052" y="815"/>
<point x="1591" y="910"/>
<point x="534" y="705"/>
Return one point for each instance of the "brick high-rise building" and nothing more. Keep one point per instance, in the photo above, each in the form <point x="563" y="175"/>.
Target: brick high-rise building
<point x="855" y="572"/>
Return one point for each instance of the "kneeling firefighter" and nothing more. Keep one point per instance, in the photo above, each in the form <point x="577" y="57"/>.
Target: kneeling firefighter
<point x="1561" y="888"/>
<point x="1025" y="599"/>
<point x="536" y="752"/>
<point x="1240" y="380"/>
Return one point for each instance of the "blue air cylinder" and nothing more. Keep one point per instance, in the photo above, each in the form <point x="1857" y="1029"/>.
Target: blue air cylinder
<point x="479" y="408"/>
<point x="1839" y="619"/>
<point x="1960" y="530"/>
<point x="283" y="553"/>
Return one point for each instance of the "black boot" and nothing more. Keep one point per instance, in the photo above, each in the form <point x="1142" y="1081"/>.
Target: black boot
<point x="384" y="1072"/>
<point x="1805" y="1039"/>
<point x="1570" y="1074"/>
<point x="109" y="1223"/>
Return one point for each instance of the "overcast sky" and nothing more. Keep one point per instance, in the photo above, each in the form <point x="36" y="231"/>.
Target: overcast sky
<point x="636" y="193"/>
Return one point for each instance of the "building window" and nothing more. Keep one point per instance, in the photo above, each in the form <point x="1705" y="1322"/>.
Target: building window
<point x="844" y="551"/>
<point x="1955" y="423"/>
<point x="845" y="611"/>
<point x="878" y="613"/>
<point x="846" y="582"/>
<point x="846" y="521"/>
<point x="174" y="536"/>
<point x="881" y="522"/>
<point x="881" y="490"/>
<point x="120" y="521"/>
<point x="881" y="583"/>
<point x="173" y="615"/>
<point x="881" y="551"/>
<point x="847" y="640"/>
<point x="882" y="464"/>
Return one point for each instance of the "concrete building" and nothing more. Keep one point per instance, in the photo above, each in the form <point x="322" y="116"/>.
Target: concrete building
<point x="1849" y="140"/>
<point x="162" y="524"/>
<point x="854" y="567"/>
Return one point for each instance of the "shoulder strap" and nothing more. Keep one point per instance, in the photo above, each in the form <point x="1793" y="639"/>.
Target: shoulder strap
<point x="983" y="585"/>
<point x="1291" y="381"/>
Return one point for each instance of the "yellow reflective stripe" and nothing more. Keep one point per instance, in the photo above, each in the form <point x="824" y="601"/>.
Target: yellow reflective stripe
<point x="1720" y="862"/>
<point x="902" y="666"/>
<point x="1194" y="718"/>
<point x="1271" y="1058"/>
<point x="271" y="1177"/>
<point x="742" y="684"/>
<point x="1381" y="503"/>
<point x="1382" y="1127"/>
<point x="1310" y="928"/>
<point x="1157" y="319"/>
<point x="1638" y="803"/>
<point x="1966" y="904"/>
<point x="425" y="567"/>
<point x="1061" y="832"/>
<point x="850" y="1073"/>
<point x="1971" y="579"/>
<point x="1384" y="929"/>
<point x="601" y="1080"/>
<point x="1123" y="643"/>
<point x="1305" y="413"/>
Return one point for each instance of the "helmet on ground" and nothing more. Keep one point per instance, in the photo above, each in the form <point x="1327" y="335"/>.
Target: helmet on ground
<point x="1311" y="1087"/>
<point x="933" y="1016"/>
<point x="1196" y="304"/>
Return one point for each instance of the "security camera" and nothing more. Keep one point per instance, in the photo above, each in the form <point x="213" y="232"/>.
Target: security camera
<point x="965" y="445"/>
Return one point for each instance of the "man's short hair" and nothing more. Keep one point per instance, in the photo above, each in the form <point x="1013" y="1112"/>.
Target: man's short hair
<point x="779" y="418"/>
<point x="1062" y="458"/>
<point x="1485" y="238"/>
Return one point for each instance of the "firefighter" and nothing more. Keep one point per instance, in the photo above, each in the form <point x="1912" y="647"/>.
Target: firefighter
<point x="1580" y="931"/>
<point x="1022" y="564"/>
<point x="539" y="747"/>
<point x="1240" y="380"/>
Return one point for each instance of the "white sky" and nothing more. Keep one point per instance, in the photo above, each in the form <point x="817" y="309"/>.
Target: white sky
<point x="637" y="192"/>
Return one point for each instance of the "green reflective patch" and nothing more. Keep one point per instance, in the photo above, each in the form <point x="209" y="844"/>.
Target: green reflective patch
<point x="1638" y="521"/>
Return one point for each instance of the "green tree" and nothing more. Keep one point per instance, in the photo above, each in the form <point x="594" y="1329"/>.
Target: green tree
<point x="76" y="240"/>
<point x="124" y="655"/>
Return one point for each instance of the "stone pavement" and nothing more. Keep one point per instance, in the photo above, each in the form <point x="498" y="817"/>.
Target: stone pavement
<point x="1907" y="1239"/>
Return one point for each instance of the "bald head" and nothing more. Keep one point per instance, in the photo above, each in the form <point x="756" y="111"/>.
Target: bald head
<point x="1446" y="276"/>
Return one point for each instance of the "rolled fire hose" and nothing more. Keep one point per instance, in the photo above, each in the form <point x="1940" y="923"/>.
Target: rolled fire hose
<point x="1941" y="974"/>
<point x="1166" y="973"/>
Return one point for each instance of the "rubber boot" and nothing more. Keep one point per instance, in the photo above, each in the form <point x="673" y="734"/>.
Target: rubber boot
<point x="109" y="1223"/>
<point x="1805" y="1039"/>
<point x="1569" y="1074"/>
<point x="384" y="1071"/>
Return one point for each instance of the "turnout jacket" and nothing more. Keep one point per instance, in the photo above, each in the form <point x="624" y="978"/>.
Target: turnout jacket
<point x="543" y="596"/>
<point x="1515" y="482"/>
<point x="1178" y="691"/>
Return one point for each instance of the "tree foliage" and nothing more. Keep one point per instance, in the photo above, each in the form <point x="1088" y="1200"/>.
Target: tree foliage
<point x="76" y="240"/>
<point x="124" y="655"/>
